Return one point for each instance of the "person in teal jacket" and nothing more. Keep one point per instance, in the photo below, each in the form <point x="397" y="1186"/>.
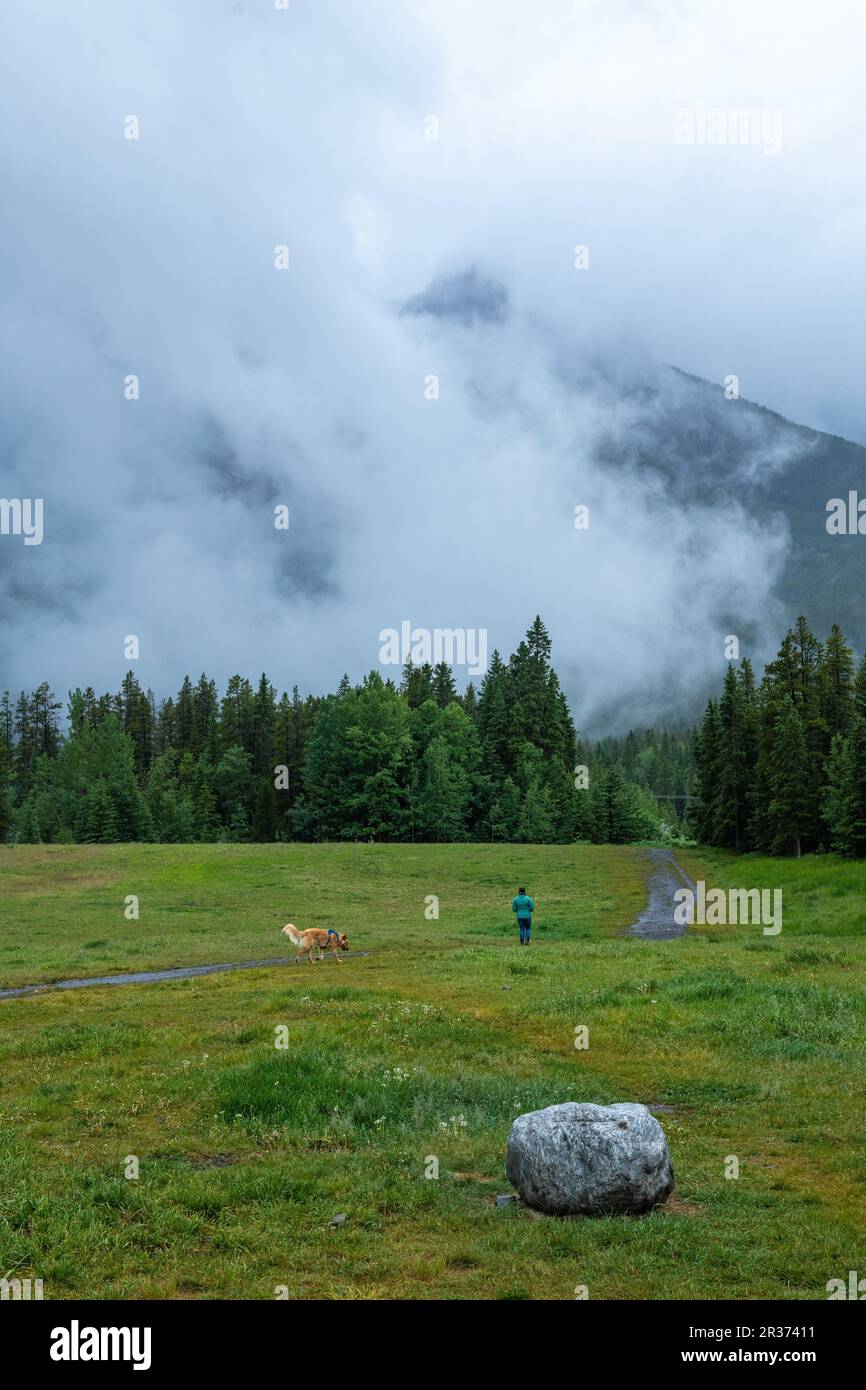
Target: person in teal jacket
<point x="524" y="907"/>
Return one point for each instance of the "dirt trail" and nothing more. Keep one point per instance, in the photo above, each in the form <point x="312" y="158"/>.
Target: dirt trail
<point x="656" y="922"/>
<point x="149" y="977"/>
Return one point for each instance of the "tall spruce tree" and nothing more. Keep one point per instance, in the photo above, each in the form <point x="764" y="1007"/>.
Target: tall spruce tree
<point x="5" y="783"/>
<point x="708" y="742"/>
<point x="845" y="793"/>
<point x="837" y="683"/>
<point x="789" y="811"/>
<point x="444" y="689"/>
<point x="493" y="719"/>
<point x="748" y="704"/>
<point x="730" y="792"/>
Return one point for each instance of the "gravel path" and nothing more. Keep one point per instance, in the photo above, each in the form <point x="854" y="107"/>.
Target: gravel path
<point x="656" y="922"/>
<point x="149" y="977"/>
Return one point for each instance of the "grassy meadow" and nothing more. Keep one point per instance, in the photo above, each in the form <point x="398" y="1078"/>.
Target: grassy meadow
<point x="416" y="1055"/>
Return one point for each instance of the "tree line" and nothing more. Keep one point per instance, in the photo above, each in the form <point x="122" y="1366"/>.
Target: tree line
<point x="781" y="765"/>
<point x="379" y="760"/>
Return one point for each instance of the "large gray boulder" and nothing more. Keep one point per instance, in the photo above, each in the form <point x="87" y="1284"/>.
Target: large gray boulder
<point x="589" y="1159"/>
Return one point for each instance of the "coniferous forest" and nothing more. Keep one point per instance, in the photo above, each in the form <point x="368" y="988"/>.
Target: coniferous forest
<point x="381" y="761"/>
<point x="777" y="766"/>
<point x="781" y="765"/>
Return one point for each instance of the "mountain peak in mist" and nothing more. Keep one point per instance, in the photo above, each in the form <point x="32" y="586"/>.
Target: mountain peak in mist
<point x="466" y="297"/>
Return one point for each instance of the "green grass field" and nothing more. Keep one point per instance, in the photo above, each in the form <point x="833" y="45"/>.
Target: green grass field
<point x="424" y="1049"/>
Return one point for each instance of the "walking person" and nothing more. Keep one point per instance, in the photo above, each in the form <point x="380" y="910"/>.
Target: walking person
<point x="524" y="907"/>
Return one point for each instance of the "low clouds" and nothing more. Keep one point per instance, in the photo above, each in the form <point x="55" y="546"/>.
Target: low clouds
<point x="409" y="258"/>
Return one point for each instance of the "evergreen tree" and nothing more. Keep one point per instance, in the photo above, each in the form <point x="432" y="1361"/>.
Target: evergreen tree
<point x="355" y="780"/>
<point x="7" y="720"/>
<point x="137" y="721"/>
<point x="584" y="823"/>
<point x="729" y="796"/>
<point x="186" y="733"/>
<point x="25" y="745"/>
<point x="443" y="798"/>
<point x="263" y="828"/>
<point x="205" y="810"/>
<point x="166" y="727"/>
<point x="264" y="715"/>
<point x="493" y="719"/>
<point x="205" y="699"/>
<point x="707" y="763"/>
<point x="99" y="823"/>
<point x="285" y="753"/>
<point x="27" y="830"/>
<point x="235" y="786"/>
<point x="795" y="678"/>
<point x="616" y="813"/>
<point x="131" y="811"/>
<point x="444" y="690"/>
<point x="860" y="688"/>
<point x="43" y="713"/>
<point x="535" y="823"/>
<point x="837" y="681"/>
<point x="542" y="715"/>
<point x="839" y="805"/>
<point x="505" y="814"/>
<point x="789" y="812"/>
<point x="622" y="815"/>
<point x="5" y="785"/>
<point x="417" y="684"/>
<point x="845" y="794"/>
<point x="630" y="756"/>
<point x="237" y="725"/>
<point x="236" y="830"/>
<point x="748" y="708"/>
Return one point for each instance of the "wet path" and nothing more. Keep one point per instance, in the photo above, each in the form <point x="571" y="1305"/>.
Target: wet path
<point x="656" y="922"/>
<point x="150" y="977"/>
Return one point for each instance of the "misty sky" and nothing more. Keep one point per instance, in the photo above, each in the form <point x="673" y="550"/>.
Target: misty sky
<point x="409" y="257"/>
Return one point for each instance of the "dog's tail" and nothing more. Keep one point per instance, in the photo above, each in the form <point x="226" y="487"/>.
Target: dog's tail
<point x="292" y="934"/>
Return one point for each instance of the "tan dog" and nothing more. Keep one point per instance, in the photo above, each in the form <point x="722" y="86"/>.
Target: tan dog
<point x="306" y="941"/>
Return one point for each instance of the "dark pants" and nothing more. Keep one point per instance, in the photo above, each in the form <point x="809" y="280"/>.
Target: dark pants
<point x="525" y="925"/>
